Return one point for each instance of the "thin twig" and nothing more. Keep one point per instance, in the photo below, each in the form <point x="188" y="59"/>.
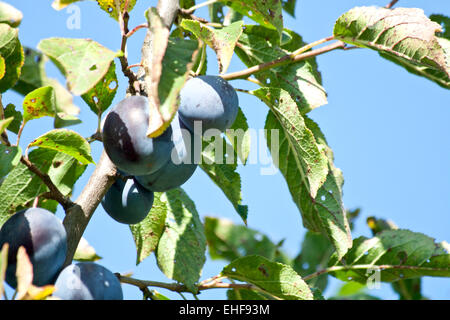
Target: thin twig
<point x="391" y="4"/>
<point x="177" y="287"/>
<point x="368" y="266"/>
<point x="123" y="24"/>
<point x="141" y="26"/>
<point x="200" y="5"/>
<point x="281" y="61"/>
<point x="54" y="193"/>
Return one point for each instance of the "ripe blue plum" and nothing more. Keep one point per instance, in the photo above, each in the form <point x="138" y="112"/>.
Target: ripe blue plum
<point x="125" y="140"/>
<point x="128" y="202"/>
<point x="87" y="281"/>
<point x="45" y="241"/>
<point x="180" y="167"/>
<point x="210" y="100"/>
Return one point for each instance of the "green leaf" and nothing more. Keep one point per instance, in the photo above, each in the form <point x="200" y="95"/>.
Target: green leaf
<point x="216" y="12"/>
<point x="61" y="4"/>
<point x="306" y="162"/>
<point x="407" y="289"/>
<point x="110" y="7"/>
<point x="230" y="241"/>
<point x="239" y="136"/>
<point x="390" y="256"/>
<point x="10" y="15"/>
<point x="147" y="233"/>
<point x="377" y="225"/>
<point x="9" y="158"/>
<point x="39" y="103"/>
<point x="100" y="97"/>
<point x="11" y="51"/>
<point x="315" y="252"/>
<point x="2" y="67"/>
<point x="222" y="41"/>
<point x="65" y="141"/>
<point x="351" y="288"/>
<point x="10" y="111"/>
<point x="310" y="162"/>
<point x="33" y="76"/>
<point x="21" y="186"/>
<point x="438" y="76"/>
<point x="4" y="123"/>
<point x="246" y="294"/>
<point x="404" y="35"/>
<point x="275" y="278"/>
<point x="181" y="249"/>
<point x="84" y="62"/>
<point x="177" y="63"/>
<point x="3" y="265"/>
<point x="267" y="13"/>
<point x="85" y="252"/>
<point x="186" y="4"/>
<point x="444" y="21"/>
<point x="220" y="166"/>
<point x="289" y="6"/>
<point x="301" y="79"/>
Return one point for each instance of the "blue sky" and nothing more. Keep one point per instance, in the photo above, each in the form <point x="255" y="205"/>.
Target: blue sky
<point x="388" y="129"/>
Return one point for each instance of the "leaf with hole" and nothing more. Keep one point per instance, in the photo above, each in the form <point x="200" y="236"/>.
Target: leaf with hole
<point x="65" y="141"/>
<point x="181" y="249"/>
<point x="222" y="41"/>
<point x="100" y="97"/>
<point x="403" y="35"/>
<point x="267" y="13"/>
<point x="299" y="150"/>
<point x="84" y="62"/>
<point x="147" y="233"/>
<point x="10" y="111"/>
<point x="301" y="79"/>
<point x="39" y="103"/>
<point x="274" y="278"/>
<point x="393" y="255"/>
<point x="109" y="6"/>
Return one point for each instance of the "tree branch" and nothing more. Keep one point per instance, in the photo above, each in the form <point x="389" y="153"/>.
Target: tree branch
<point x="391" y="4"/>
<point x="54" y="193"/>
<point x="79" y="214"/>
<point x="289" y="58"/>
<point x="177" y="287"/>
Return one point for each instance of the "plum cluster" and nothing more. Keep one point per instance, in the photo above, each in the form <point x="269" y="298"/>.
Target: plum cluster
<point x="44" y="238"/>
<point x="169" y="160"/>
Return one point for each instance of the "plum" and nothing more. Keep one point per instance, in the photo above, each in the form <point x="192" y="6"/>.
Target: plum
<point x="45" y="241"/>
<point x="128" y="202"/>
<point x="210" y="100"/>
<point x="87" y="281"/>
<point x="125" y="138"/>
<point x="181" y="165"/>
